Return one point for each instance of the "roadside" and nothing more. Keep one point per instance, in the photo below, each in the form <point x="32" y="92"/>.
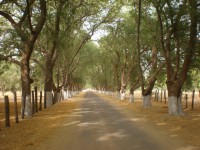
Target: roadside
<point x="30" y="133"/>
<point x="98" y="124"/>
<point x="185" y="128"/>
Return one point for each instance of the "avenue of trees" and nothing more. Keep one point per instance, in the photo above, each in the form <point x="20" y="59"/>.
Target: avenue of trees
<point x="142" y="44"/>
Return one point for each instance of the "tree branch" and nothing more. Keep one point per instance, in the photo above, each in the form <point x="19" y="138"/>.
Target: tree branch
<point x="192" y="39"/>
<point x="9" y="59"/>
<point x="14" y="24"/>
<point x="39" y="63"/>
<point x="29" y="15"/>
<point x="42" y="17"/>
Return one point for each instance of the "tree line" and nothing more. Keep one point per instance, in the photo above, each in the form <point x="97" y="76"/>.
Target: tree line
<point x="152" y="44"/>
<point x="44" y="38"/>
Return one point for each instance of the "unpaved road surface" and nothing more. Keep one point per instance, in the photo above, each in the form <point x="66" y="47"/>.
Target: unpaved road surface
<point x="100" y="125"/>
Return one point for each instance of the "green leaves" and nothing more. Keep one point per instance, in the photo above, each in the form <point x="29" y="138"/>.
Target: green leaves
<point x="9" y="77"/>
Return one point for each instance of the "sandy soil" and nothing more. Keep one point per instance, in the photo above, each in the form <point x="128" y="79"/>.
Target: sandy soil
<point x="31" y="132"/>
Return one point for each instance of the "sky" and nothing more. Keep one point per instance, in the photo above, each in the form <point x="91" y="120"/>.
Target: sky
<point x="98" y="35"/>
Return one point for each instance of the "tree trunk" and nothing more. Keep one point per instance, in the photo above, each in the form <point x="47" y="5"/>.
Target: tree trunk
<point x="123" y="90"/>
<point x="48" y="82"/>
<point x="64" y="94"/>
<point x="26" y="83"/>
<point x="146" y="93"/>
<point x="118" y="94"/>
<point x="49" y="99"/>
<point x="146" y="101"/>
<point x="174" y="99"/>
<point x="57" y="90"/>
<point x="123" y="96"/>
<point x="131" y="100"/>
<point x="59" y="97"/>
<point x="56" y="97"/>
<point x="175" y="106"/>
<point x="68" y="91"/>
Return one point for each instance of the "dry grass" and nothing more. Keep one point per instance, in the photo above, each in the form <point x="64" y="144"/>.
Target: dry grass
<point x="30" y="132"/>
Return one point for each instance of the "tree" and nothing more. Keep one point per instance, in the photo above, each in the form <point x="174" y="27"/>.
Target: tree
<point x="80" y="36"/>
<point x="178" y="37"/>
<point x="111" y="45"/>
<point x="28" y="26"/>
<point x="147" y="54"/>
<point x="52" y="32"/>
<point x="121" y="52"/>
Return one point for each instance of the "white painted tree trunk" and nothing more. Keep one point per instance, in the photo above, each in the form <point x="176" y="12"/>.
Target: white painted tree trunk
<point x="113" y="94"/>
<point x="58" y="96"/>
<point x="146" y="101"/>
<point x="49" y="99"/>
<point x="175" y="106"/>
<point x="28" y="109"/>
<point x="123" y="96"/>
<point x="70" y="94"/>
<point x="117" y="95"/>
<point x="131" y="98"/>
<point x="65" y="94"/>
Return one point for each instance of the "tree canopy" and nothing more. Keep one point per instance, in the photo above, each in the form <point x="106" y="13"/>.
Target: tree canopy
<point x="107" y="45"/>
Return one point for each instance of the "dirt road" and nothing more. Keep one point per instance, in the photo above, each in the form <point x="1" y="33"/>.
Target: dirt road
<point x="99" y="125"/>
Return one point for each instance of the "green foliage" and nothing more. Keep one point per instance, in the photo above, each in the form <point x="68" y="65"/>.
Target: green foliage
<point x="92" y="64"/>
<point x="188" y="85"/>
<point x="9" y="77"/>
<point x="193" y="80"/>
